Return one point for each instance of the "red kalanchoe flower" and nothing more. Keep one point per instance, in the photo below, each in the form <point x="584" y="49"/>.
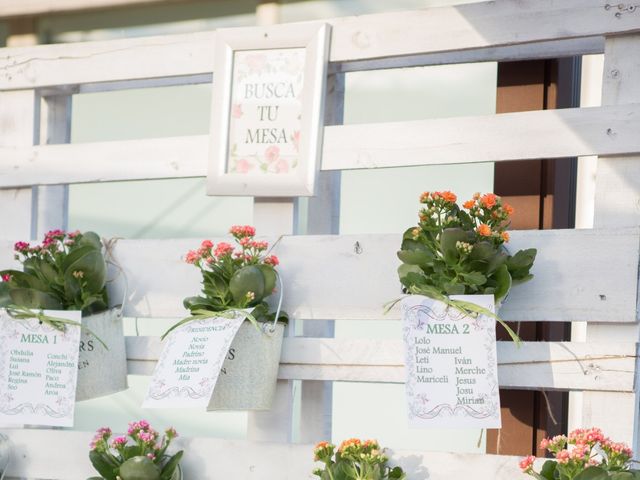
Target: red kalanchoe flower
<point x="6" y="277"/>
<point x="240" y="231"/>
<point x="223" y="249"/>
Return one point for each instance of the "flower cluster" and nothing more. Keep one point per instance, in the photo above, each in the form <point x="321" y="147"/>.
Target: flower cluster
<point x="142" y="453"/>
<point x="487" y="214"/>
<point x="250" y="251"/>
<point x="582" y="449"/>
<point x="66" y="271"/>
<point x="234" y="277"/>
<point x="461" y="250"/>
<point x="354" y="459"/>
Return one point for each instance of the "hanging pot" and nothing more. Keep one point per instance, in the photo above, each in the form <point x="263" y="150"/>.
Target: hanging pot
<point x="249" y="374"/>
<point x="100" y="371"/>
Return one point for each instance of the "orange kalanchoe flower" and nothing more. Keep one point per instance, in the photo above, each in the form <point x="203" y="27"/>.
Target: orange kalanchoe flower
<point x="424" y="197"/>
<point x="484" y="230"/>
<point x="349" y="443"/>
<point x="469" y="204"/>
<point x="489" y="200"/>
<point x="449" y="196"/>
<point x="505" y="236"/>
<point x="508" y="208"/>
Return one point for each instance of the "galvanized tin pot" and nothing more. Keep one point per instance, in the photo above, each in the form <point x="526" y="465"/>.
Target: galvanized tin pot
<point x="102" y="372"/>
<point x="6" y="450"/>
<point x="249" y="375"/>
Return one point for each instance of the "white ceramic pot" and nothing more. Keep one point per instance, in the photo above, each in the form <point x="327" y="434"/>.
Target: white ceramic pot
<point x="249" y="375"/>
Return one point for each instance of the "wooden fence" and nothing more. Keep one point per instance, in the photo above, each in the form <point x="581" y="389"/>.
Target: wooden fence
<point x="580" y="275"/>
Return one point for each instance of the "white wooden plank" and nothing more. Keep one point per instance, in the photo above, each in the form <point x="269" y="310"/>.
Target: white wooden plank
<point x="44" y="7"/>
<point x="510" y="136"/>
<point x="617" y="203"/>
<point x="104" y="61"/>
<point x="580" y="275"/>
<point x="62" y="454"/>
<point x="52" y="201"/>
<point x="110" y="161"/>
<point x="535" y="365"/>
<point x="366" y="37"/>
<point x="19" y="122"/>
<point x="476" y="25"/>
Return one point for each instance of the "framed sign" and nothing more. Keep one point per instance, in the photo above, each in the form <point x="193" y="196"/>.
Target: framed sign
<point x="268" y="99"/>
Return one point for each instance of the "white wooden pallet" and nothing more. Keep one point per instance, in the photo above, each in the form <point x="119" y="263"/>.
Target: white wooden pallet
<point x="580" y="275"/>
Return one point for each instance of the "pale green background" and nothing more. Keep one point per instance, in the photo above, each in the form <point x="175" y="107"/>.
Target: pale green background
<point x="382" y="201"/>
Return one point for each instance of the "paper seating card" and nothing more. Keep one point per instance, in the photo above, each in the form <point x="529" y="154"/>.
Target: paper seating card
<point x="451" y="367"/>
<point x="190" y="363"/>
<point x="38" y="370"/>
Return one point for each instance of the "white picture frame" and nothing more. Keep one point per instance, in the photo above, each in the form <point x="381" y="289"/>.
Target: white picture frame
<point x="228" y="173"/>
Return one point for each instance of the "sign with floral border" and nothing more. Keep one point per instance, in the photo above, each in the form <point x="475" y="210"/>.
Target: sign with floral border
<point x="451" y="365"/>
<point x="190" y="363"/>
<point x="268" y="110"/>
<point x="38" y="370"/>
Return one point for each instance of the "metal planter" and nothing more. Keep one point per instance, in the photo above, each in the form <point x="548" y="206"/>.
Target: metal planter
<point x="102" y="372"/>
<point x="249" y="375"/>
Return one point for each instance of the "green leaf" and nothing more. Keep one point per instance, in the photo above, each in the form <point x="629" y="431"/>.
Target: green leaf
<point x="483" y="251"/>
<point x="90" y="239"/>
<point x="93" y="268"/>
<point x="592" y="473"/>
<point x="503" y="281"/>
<point x="76" y="255"/>
<point x="474" y="278"/>
<point x="27" y="280"/>
<point x="102" y="466"/>
<point x="247" y="279"/>
<point x="5" y="298"/>
<point x="414" y="257"/>
<point x="270" y="278"/>
<point x="31" y="298"/>
<point x="139" y="468"/>
<point x="523" y="259"/>
<point x="192" y="303"/>
<point x="454" y="288"/>
<point x="549" y="469"/>
<point x="448" y="240"/>
<point x="495" y="262"/>
<point x="171" y="466"/>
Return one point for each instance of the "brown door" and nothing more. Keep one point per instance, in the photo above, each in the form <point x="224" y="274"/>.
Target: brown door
<point x="543" y="194"/>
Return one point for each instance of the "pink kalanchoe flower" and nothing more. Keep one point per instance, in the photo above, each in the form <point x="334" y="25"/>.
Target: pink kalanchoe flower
<point x="147" y="437"/>
<point x="272" y="260"/>
<point x="526" y="464"/>
<point x="245" y="241"/>
<point x="171" y="433"/>
<point x="259" y="245"/>
<point x="563" y="456"/>
<point x="21" y="247"/>
<point x="118" y="442"/>
<point x="240" y="231"/>
<point x="223" y="249"/>
<point x="192" y="257"/>
<point x="206" y="244"/>
<point x="55" y="235"/>
<point x="73" y="234"/>
<point x="151" y="456"/>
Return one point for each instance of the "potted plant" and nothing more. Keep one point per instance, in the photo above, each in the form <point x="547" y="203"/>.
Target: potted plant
<point x="241" y="279"/>
<point x="140" y="455"/>
<point x="68" y="271"/>
<point x="584" y="454"/>
<point x="354" y="460"/>
<point x="462" y="251"/>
